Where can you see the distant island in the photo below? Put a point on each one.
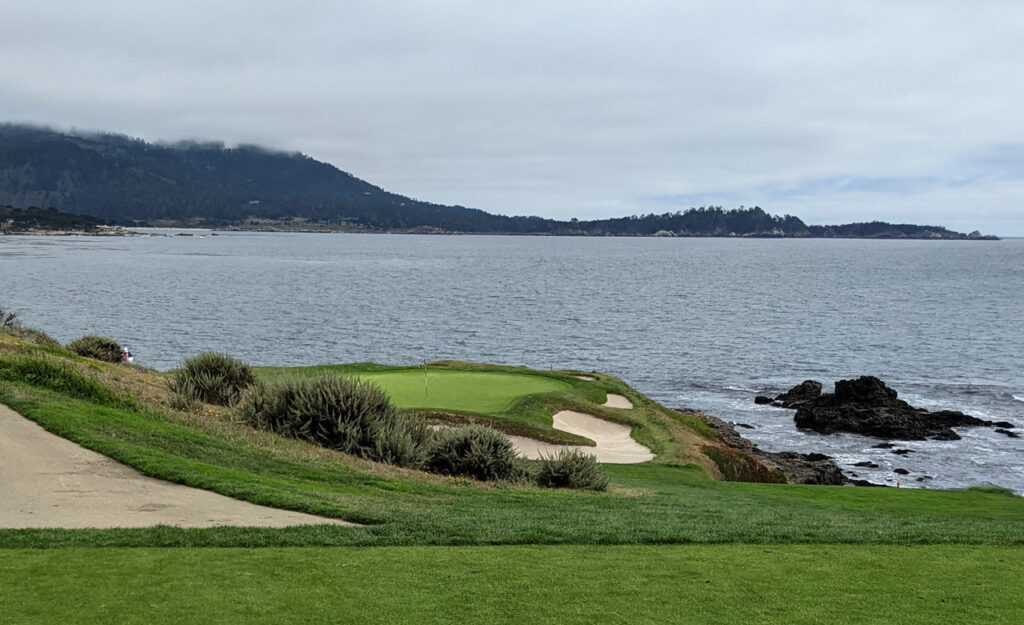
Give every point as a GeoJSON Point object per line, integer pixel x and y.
{"type": "Point", "coordinates": [114, 179]}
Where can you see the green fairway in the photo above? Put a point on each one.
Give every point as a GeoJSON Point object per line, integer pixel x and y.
{"type": "Point", "coordinates": [679, 584]}
{"type": "Point", "coordinates": [468, 391]}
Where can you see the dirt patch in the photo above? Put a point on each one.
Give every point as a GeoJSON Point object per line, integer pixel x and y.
{"type": "Point", "coordinates": [49, 482]}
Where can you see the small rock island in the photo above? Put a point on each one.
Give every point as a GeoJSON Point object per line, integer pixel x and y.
{"type": "Point", "coordinates": [867, 406]}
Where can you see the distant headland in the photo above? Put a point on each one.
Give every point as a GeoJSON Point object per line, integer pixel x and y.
{"type": "Point", "coordinates": [112, 179]}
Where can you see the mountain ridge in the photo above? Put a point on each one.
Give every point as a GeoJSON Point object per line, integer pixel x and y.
{"type": "Point", "coordinates": [135, 183]}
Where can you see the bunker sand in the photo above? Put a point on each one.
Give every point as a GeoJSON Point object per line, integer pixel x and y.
{"type": "Point", "coordinates": [618, 401]}
{"type": "Point", "coordinates": [49, 482]}
{"type": "Point", "coordinates": [614, 444]}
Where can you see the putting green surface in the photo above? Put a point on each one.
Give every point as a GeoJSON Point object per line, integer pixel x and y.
{"type": "Point", "coordinates": [470, 391]}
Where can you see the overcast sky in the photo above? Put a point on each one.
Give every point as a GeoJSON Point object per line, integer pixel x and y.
{"type": "Point", "coordinates": [831, 111]}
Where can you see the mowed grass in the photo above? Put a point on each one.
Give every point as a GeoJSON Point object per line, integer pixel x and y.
{"type": "Point", "coordinates": [467, 391]}
{"type": "Point", "coordinates": [514, 399]}
{"type": "Point", "coordinates": [435, 388]}
{"type": "Point", "coordinates": [682, 584]}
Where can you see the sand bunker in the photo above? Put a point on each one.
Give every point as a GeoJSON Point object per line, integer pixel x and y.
{"type": "Point", "coordinates": [618, 401]}
{"type": "Point", "coordinates": [614, 444]}
{"type": "Point", "coordinates": [48, 481]}
{"type": "Point", "coordinates": [588, 378]}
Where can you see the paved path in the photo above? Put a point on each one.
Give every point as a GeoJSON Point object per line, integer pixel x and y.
{"type": "Point", "coordinates": [49, 482]}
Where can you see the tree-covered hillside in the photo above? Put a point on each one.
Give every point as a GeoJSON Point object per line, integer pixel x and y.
{"type": "Point", "coordinates": [132, 182]}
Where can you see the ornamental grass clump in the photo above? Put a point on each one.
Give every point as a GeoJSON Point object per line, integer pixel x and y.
{"type": "Point", "coordinates": [339, 412]}
{"type": "Point", "coordinates": [571, 468]}
{"type": "Point", "coordinates": [213, 378]}
{"type": "Point", "coordinates": [46, 372]}
{"type": "Point", "coordinates": [8, 320]}
{"type": "Point", "coordinates": [473, 451]}
{"type": "Point", "coordinates": [98, 347]}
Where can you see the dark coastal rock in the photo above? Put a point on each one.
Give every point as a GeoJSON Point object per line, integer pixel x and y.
{"type": "Point", "coordinates": [885, 445]}
{"type": "Point", "coordinates": [866, 463]}
{"type": "Point", "coordinates": [867, 483]}
{"type": "Point", "coordinates": [1008, 433]}
{"type": "Point", "coordinates": [867, 406]}
{"type": "Point", "coordinates": [901, 471]}
{"type": "Point", "coordinates": [806, 391]}
{"type": "Point", "coordinates": [743, 425]}
{"type": "Point", "coordinates": [902, 452]}
{"type": "Point", "coordinates": [1003, 424]}
{"type": "Point", "coordinates": [924, 478]}
{"type": "Point", "coordinates": [763, 399]}
{"type": "Point", "coordinates": [797, 468]}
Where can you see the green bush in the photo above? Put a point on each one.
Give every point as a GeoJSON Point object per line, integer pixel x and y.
{"type": "Point", "coordinates": [339, 412]}
{"type": "Point", "coordinates": [571, 468]}
{"type": "Point", "coordinates": [474, 451]}
{"type": "Point", "coordinates": [56, 376]}
{"type": "Point", "coordinates": [212, 377]}
{"type": "Point", "coordinates": [98, 347]}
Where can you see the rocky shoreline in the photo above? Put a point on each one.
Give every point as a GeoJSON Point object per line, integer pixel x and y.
{"type": "Point", "coordinates": [865, 406]}
{"type": "Point", "coordinates": [797, 468]}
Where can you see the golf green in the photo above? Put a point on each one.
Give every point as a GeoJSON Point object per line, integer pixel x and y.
{"type": "Point", "coordinates": [472, 391]}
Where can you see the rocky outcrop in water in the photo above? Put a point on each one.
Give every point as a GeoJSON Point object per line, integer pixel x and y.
{"type": "Point", "coordinates": [869, 407]}
{"type": "Point", "coordinates": [797, 468]}
{"type": "Point", "coordinates": [806, 391]}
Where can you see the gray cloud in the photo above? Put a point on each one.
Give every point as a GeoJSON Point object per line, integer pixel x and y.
{"type": "Point", "coordinates": [832, 111]}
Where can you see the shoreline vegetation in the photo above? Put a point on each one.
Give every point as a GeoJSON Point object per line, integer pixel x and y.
{"type": "Point", "coordinates": [664, 541]}
{"type": "Point", "coordinates": [365, 416]}
{"type": "Point", "coordinates": [127, 181]}
{"type": "Point", "coordinates": [50, 222]}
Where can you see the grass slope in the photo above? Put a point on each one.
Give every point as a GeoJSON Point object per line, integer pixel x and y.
{"type": "Point", "coordinates": [648, 503]}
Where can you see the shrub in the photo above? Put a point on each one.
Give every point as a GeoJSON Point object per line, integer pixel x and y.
{"type": "Point", "coordinates": [8, 320]}
{"type": "Point", "coordinates": [474, 451]}
{"type": "Point", "coordinates": [571, 468]}
{"type": "Point", "coordinates": [339, 412]}
{"type": "Point", "coordinates": [98, 347]}
{"type": "Point", "coordinates": [212, 377]}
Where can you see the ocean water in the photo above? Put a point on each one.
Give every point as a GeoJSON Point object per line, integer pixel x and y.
{"type": "Point", "coordinates": [701, 323]}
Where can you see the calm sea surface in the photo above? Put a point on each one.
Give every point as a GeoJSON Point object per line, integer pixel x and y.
{"type": "Point", "coordinates": [703, 323]}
